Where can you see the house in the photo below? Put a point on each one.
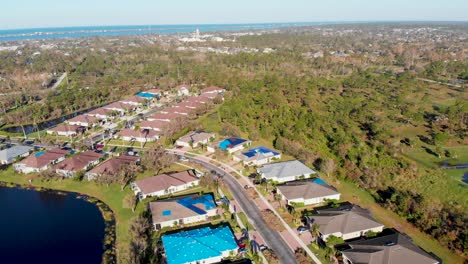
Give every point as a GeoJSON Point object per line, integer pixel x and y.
{"type": "Point", "coordinates": [136, 100]}
{"type": "Point", "coordinates": [212, 90]}
{"type": "Point", "coordinates": [64, 130]}
{"type": "Point", "coordinates": [120, 107]}
{"type": "Point", "coordinates": [40, 161]}
{"type": "Point", "coordinates": [155, 125]}
{"type": "Point", "coordinates": [9, 155]}
{"type": "Point", "coordinates": [257, 156]}
{"type": "Point", "coordinates": [168, 117]}
{"type": "Point", "coordinates": [202, 245]}
{"type": "Point", "coordinates": [231, 144]}
{"type": "Point", "coordinates": [80, 162]}
{"type": "Point", "coordinates": [182, 210]}
{"type": "Point", "coordinates": [348, 221]}
{"type": "Point", "coordinates": [102, 113]}
{"type": "Point", "coordinates": [165, 183]}
{"type": "Point", "coordinates": [193, 139]}
{"type": "Point", "coordinates": [391, 248]}
{"type": "Point", "coordinates": [307, 193]}
{"type": "Point", "coordinates": [183, 90]}
{"type": "Point", "coordinates": [142, 135]}
{"type": "Point", "coordinates": [198, 99]}
{"type": "Point", "coordinates": [84, 120]}
{"type": "Point", "coordinates": [111, 166]}
{"type": "Point", "coordinates": [285, 171]}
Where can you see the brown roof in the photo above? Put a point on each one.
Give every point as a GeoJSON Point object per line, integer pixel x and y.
{"type": "Point", "coordinates": [78, 162]}
{"type": "Point", "coordinates": [118, 105]}
{"type": "Point", "coordinates": [164, 181]}
{"type": "Point", "coordinates": [126, 132]}
{"type": "Point", "coordinates": [162, 117]}
{"type": "Point", "coordinates": [198, 99]}
{"type": "Point", "coordinates": [173, 209]}
{"type": "Point", "coordinates": [212, 89]}
{"type": "Point", "coordinates": [392, 248]}
{"type": "Point", "coordinates": [84, 119]}
{"type": "Point", "coordinates": [345, 219]}
{"type": "Point", "coordinates": [47, 157]}
{"type": "Point", "coordinates": [133, 98]}
{"type": "Point", "coordinates": [64, 128]}
{"type": "Point", "coordinates": [307, 190]}
{"type": "Point", "coordinates": [196, 137]}
{"type": "Point", "coordinates": [112, 165]}
{"type": "Point", "coordinates": [208, 95]}
{"type": "Point", "coordinates": [99, 111]}
{"type": "Point", "coordinates": [156, 124]}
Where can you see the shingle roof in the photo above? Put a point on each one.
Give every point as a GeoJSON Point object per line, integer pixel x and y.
{"type": "Point", "coordinates": [65, 128]}
{"type": "Point", "coordinates": [164, 181]}
{"type": "Point", "coordinates": [39, 161]}
{"type": "Point", "coordinates": [126, 132]}
{"type": "Point", "coordinates": [285, 169]}
{"type": "Point", "coordinates": [198, 244]}
{"type": "Point", "coordinates": [307, 190]}
{"type": "Point", "coordinates": [112, 165]}
{"type": "Point", "coordinates": [78, 162]}
{"type": "Point", "coordinates": [182, 207]}
{"type": "Point", "coordinates": [13, 152]}
{"type": "Point", "coordinates": [196, 137]}
{"type": "Point", "coordinates": [393, 248]}
{"type": "Point", "coordinates": [345, 220]}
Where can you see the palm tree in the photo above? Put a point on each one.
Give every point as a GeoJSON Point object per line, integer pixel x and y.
{"type": "Point", "coordinates": [314, 231]}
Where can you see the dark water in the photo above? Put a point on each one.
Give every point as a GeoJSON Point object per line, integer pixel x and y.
{"type": "Point", "coordinates": [45, 227]}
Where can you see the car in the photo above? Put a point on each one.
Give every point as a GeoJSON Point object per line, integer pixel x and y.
{"type": "Point", "coordinates": [29, 142]}
{"type": "Point", "coordinates": [302, 229]}
{"type": "Point", "coordinates": [179, 147]}
{"type": "Point", "coordinates": [262, 247]}
{"type": "Point", "coordinates": [182, 158]}
{"type": "Point", "coordinates": [242, 250]}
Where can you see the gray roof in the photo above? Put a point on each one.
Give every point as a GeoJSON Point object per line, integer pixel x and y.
{"type": "Point", "coordinates": [345, 220]}
{"type": "Point", "coordinates": [307, 190]}
{"type": "Point", "coordinates": [13, 152]}
{"type": "Point", "coordinates": [393, 248]}
{"type": "Point", "coordinates": [285, 169]}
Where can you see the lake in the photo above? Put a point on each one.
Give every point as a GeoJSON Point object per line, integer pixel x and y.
{"type": "Point", "coordinates": [47, 227]}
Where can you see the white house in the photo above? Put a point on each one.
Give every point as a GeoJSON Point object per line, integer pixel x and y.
{"type": "Point", "coordinates": [182, 210]}
{"type": "Point", "coordinates": [257, 156]}
{"type": "Point", "coordinates": [193, 139]}
{"type": "Point", "coordinates": [285, 171]}
{"type": "Point", "coordinates": [230, 145]}
{"type": "Point", "coordinates": [40, 161]}
{"type": "Point", "coordinates": [80, 162]}
{"type": "Point", "coordinates": [183, 90]}
{"type": "Point", "coordinates": [164, 184]}
{"type": "Point", "coordinates": [307, 193]}
{"type": "Point", "coordinates": [64, 130]}
{"type": "Point", "coordinates": [144, 135]}
{"type": "Point", "coordinates": [84, 120]}
{"type": "Point", "coordinates": [9, 155]}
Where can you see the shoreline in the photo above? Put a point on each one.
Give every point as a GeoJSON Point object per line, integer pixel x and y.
{"type": "Point", "coordinates": [108, 216]}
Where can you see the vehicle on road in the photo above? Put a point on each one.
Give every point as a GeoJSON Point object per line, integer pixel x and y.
{"type": "Point", "coordinates": [262, 247]}
{"type": "Point", "coordinates": [302, 229]}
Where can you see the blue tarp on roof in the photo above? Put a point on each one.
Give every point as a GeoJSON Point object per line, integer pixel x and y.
{"type": "Point", "coordinates": [198, 244]}
{"type": "Point", "coordinates": [166, 213]}
{"type": "Point", "coordinates": [231, 142]}
{"type": "Point", "coordinates": [262, 150]}
{"type": "Point", "coordinates": [319, 181]}
{"type": "Point", "coordinates": [190, 202]}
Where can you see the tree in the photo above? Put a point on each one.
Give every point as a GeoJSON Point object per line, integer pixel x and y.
{"type": "Point", "coordinates": [126, 174]}
{"type": "Point", "coordinates": [157, 159]}
{"type": "Point", "coordinates": [129, 201]}
{"type": "Point", "coordinates": [328, 166]}
{"type": "Point", "coordinates": [314, 231]}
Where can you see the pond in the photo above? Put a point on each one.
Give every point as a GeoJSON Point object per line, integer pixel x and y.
{"type": "Point", "coordinates": [48, 227]}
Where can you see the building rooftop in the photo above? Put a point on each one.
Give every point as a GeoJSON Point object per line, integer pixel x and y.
{"type": "Point", "coordinates": [285, 169]}
{"type": "Point", "coordinates": [40, 159]}
{"type": "Point", "coordinates": [113, 165]}
{"type": "Point", "coordinates": [65, 128]}
{"type": "Point", "coordinates": [306, 190]}
{"type": "Point", "coordinates": [198, 244]}
{"type": "Point", "coordinates": [144, 133]}
{"type": "Point", "coordinates": [212, 89]}
{"type": "Point", "coordinates": [164, 181]}
{"type": "Point", "coordinates": [183, 207]}
{"type": "Point", "coordinates": [79, 161]}
{"type": "Point", "coordinates": [231, 142]}
{"type": "Point", "coordinates": [393, 248]}
{"type": "Point", "coordinates": [196, 136]}
{"type": "Point", "coordinates": [13, 152]}
{"type": "Point", "coordinates": [345, 219]}
{"type": "Point", "coordinates": [84, 119]}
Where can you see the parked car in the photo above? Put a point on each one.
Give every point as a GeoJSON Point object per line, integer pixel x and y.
{"type": "Point", "coordinates": [302, 229]}
{"type": "Point", "coordinates": [182, 158]}
{"type": "Point", "coordinates": [262, 247]}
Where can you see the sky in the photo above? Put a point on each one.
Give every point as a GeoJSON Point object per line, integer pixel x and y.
{"type": "Point", "coordinates": [62, 13]}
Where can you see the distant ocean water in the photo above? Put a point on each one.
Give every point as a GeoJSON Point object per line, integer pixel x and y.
{"type": "Point", "coordinates": [77, 32]}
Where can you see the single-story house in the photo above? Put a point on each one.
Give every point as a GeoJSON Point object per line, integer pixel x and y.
{"type": "Point", "coordinates": [84, 120]}
{"type": "Point", "coordinates": [136, 100]}
{"type": "Point", "coordinates": [80, 162]}
{"type": "Point", "coordinates": [165, 183]}
{"type": "Point", "coordinates": [391, 248]}
{"type": "Point", "coordinates": [155, 125]}
{"type": "Point", "coordinates": [198, 99]}
{"type": "Point", "coordinates": [64, 130]}
{"type": "Point", "coordinates": [142, 135]}
{"type": "Point", "coordinates": [9, 155]}
{"type": "Point", "coordinates": [257, 156]}
{"type": "Point", "coordinates": [202, 245]}
{"type": "Point", "coordinates": [307, 193]}
{"type": "Point", "coordinates": [111, 166]}
{"type": "Point", "coordinates": [183, 90]}
{"type": "Point", "coordinates": [285, 171]}
{"type": "Point", "coordinates": [348, 221]}
{"type": "Point", "coordinates": [120, 107]}
{"type": "Point", "coordinates": [163, 117]}
{"type": "Point", "coordinates": [102, 113]}
{"type": "Point", "coordinates": [231, 144]}
{"type": "Point", "coordinates": [40, 161]}
{"type": "Point", "coordinates": [212, 90]}
{"type": "Point", "coordinates": [182, 210]}
{"type": "Point", "coordinates": [193, 139]}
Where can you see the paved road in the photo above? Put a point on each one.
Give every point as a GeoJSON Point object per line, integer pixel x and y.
{"type": "Point", "coordinates": [272, 237]}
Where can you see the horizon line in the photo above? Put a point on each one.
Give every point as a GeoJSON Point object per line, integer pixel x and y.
{"type": "Point", "coordinates": [246, 23]}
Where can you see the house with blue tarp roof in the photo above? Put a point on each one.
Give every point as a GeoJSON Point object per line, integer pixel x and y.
{"type": "Point", "coordinates": [257, 156]}
{"type": "Point", "coordinates": [230, 145]}
{"type": "Point", "coordinates": [182, 210]}
{"type": "Point", "coordinates": [203, 245]}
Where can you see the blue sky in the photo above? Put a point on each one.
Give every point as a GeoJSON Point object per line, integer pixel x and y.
{"type": "Point", "coordinates": [60, 13]}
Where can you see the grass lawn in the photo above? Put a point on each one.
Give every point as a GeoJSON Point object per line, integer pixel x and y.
{"type": "Point", "coordinates": [350, 192]}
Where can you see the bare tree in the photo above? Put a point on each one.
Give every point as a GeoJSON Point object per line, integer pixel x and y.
{"type": "Point", "coordinates": [129, 202]}
{"type": "Point", "coordinates": [157, 159]}
{"type": "Point", "coordinates": [328, 166]}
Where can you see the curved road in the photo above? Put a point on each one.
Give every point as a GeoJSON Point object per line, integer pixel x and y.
{"type": "Point", "coordinates": [271, 237]}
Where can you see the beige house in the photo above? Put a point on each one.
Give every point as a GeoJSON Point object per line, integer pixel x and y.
{"type": "Point", "coordinates": [307, 193]}
{"type": "Point", "coordinates": [194, 139]}
{"type": "Point", "coordinates": [165, 184]}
